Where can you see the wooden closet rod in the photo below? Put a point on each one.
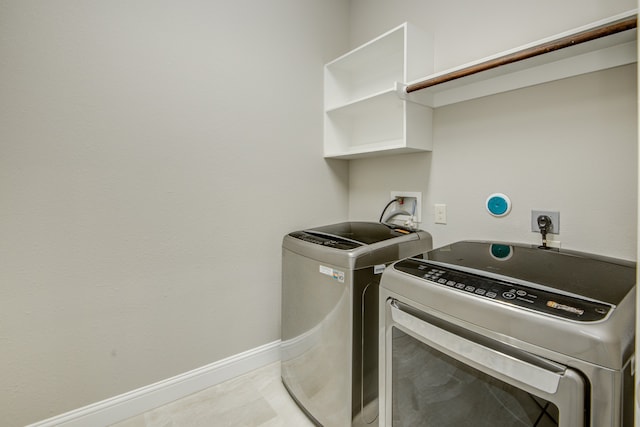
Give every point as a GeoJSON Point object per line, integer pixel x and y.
{"type": "Point", "coordinates": [568, 41]}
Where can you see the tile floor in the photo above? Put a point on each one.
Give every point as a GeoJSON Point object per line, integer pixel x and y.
{"type": "Point", "coordinates": [251, 400]}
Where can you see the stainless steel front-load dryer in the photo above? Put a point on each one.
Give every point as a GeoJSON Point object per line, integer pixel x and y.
{"type": "Point", "coordinates": [330, 278]}
{"type": "Point", "coordinates": [490, 334]}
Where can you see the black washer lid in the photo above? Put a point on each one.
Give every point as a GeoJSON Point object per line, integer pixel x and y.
{"type": "Point", "coordinates": [363, 232]}
{"type": "Point", "coordinates": [591, 276]}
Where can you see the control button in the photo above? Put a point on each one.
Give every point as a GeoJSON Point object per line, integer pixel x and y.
{"type": "Point", "coordinates": [460, 285]}
{"type": "Point", "coordinates": [508, 295]}
{"type": "Point", "coordinates": [470, 288]}
{"type": "Point", "coordinates": [480, 291]}
{"type": "Point", "coordinates": [442, 280]}
{"type": "Point", "coordinates": [491, 295]}
{"type": "Point", "coordinates": [521, 293]}
{"type": "Point", "coordinates": [451, 283]}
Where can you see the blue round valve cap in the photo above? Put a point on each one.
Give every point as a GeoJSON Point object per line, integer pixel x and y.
{"type": "Point", "coordinates": [498, 204]}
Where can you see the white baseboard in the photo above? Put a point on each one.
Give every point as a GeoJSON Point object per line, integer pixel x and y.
{"type": "Point", "coordinates": [121, 407]}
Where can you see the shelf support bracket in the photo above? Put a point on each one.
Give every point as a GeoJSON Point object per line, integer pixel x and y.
{"type": "Point", "coordinates": [401, 91]}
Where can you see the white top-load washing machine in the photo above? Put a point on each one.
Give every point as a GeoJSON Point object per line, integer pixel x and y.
{"type": "Point", "coordinates": [490, 334]}
{"type": "Point", "coordinates": [330, 278]}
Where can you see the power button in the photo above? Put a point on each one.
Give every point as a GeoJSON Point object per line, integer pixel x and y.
{"type": "Point", "coordinates": [508, 295]}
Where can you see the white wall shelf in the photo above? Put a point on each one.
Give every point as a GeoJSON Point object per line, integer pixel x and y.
{"type": "Point", "coordinates": [597, 54]}
{"type": "Point", "coordinates": [364, 113]}
{"type": "Point", "coordinates": [375, 104]}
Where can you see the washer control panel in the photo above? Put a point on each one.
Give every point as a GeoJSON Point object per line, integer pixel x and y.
{"type": "Point", "coordinates": [550, 303]}
{"type": "Point", "coordinates": [328, 241]}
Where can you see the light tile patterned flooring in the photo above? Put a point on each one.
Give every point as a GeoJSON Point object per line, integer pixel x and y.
{"type": "Point", "coordinates": [251, 400]}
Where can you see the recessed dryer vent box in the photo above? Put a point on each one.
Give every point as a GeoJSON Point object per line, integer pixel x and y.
{"type": "Point", "coordinates": [411, 202]}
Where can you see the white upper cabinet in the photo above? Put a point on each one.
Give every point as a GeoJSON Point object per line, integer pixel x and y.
{"type": "Point", "coordinates": [364, 112]}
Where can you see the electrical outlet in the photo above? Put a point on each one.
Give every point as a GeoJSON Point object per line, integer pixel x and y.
{"type": "Point", "coordinates": [555, 221]}
{"type": "Point", "coordinates": [411, 203]}
{"type": "Point", "coordinates": [440, 212]}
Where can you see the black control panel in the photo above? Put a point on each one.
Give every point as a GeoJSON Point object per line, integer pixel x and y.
{"type": "Point", "coordinates": [328, 241]}
{"type": "Point", "coordinates": [505, 292]}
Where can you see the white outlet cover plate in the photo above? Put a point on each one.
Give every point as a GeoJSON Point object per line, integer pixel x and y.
{"type": "Point", "coordinates": [440, 213]}
{"type": "Point", "coordinates": [555, 220]}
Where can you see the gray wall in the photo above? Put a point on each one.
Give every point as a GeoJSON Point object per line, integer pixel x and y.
{"type": "Point", "coordinates": [153, 153]}
{"type": "Point", "coordinates": [569, 145]}
{"type": "Point", "coordinates": [152, 156]}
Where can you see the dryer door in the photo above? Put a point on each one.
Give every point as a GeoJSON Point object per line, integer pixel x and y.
{"type": "Point", "coordinates": [439, 374]}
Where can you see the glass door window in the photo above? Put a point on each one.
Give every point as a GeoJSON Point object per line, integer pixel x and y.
{"type": "Point", "coordinates": [434, 390]}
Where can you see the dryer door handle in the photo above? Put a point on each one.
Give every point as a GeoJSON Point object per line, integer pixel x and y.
{"type": "Point", "coordinates": [530, 371]}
